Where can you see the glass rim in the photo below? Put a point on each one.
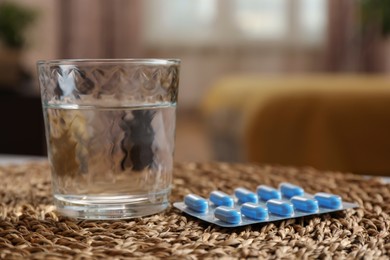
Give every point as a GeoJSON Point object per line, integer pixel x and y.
{"type": "Point", "coordinates": [140, 61]}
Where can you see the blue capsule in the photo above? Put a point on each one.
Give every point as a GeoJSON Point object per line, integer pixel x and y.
{"type": "Point", "coordinates": [304, 204]}
{"type": "Point", "coordinates": [290, 190]}
{"type": "Point", "coordinates": [228, 215]}
{"type": "Point", "coordinates": [266, 193]}
{"type": "Point", "coordinates": [196, 203]}
{"type": "Point", "coordinates": [328, 200]}
{"type": "Point", "coordinates": [254, 211]}
{"type": "Point", "coordinates": [280, 207]}
{"type": "Point", "coordinates": [220, 198]}
{"type": "Point", "coordinates": [244, 195]}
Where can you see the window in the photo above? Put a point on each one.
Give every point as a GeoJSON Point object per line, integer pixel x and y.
{"type": "Point", "coordinates": [312, 20]}
{"type": "Point", "coordinates": [263, 20]}
{"type": "Point", "coordinates": [178, 21]}
{"type": "Point", "coordinates": [232, 22]}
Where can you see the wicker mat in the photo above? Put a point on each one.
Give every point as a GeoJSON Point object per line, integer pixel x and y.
{"type": "Point", "coordinates": [30, 228]}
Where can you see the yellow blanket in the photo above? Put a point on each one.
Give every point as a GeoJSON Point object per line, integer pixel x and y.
{"type": "Point", "coordinates": [331, 122]}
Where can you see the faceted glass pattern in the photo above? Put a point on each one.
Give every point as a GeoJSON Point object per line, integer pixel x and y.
{"type": "Point", "coordinates": [118, 82]}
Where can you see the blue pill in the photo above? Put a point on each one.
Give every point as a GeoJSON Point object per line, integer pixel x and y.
{"type": "Point", "coordinates": [304, 204]}
{"type": "Point", "coordinates": [227, 214]}
{"type": "Point", "coordinates": [290, 190]}
{"type": "Point", "coordinates": [244, 195]}
{"type": "Point", "coordinates": [220, 198]}
{"type": "Point", "coordinates": [328, 200]}
{"type": "Point", "coordinates": [266, 193]}
{"type": "Point", "coordinates": [280, 207]}
{"type": "Point", "coordinates": [254, 211]}
{"type": "Point", "coordinates": [196, 203]}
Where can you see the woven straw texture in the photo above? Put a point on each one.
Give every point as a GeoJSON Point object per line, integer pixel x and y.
{"type": "Point", "coordinates": [30, 228]}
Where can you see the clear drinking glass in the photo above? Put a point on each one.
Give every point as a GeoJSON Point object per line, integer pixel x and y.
{"type": "Point", "coordinates": [110, 127]}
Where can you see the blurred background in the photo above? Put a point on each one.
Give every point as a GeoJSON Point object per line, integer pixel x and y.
{"type": "Point", "coordinates": [292, 82]}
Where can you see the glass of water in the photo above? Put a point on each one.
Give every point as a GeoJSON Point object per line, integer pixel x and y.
{"type": "Point", "coordinates": [110, 127]}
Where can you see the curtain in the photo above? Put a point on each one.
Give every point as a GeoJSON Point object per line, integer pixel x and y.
{"type": "Point", "coordinates": [349, 47]}
{"type": "Point", "coordinates": [100, 29]}
{"type": "Point", "coordinates": [343, 41]}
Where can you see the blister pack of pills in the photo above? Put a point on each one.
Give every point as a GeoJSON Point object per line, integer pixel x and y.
{"type": "Point", "coordinates": [267, 204]}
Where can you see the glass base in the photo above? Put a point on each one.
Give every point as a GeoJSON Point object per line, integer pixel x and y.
{"type": "Point", "coordinates": [110, 207]}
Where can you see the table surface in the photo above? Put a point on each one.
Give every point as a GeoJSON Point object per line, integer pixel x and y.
{"type": "Point", "coordinates": [9, 159]}
{"type": "Point", "coordinates": [30, 227]}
